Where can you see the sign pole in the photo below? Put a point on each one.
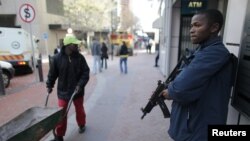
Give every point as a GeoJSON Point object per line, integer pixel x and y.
{"type": "Point", "coordinates": [27, 14]}
{"type": "Point", "coordinates": [45, 37]}
{"type": "Point", "coordinates": [33, 53]}
{"type": "Point", "coordinates": [46, 45]}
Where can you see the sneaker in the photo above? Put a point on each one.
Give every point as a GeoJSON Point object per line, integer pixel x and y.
{"type": "Point", "coordinates": [82, 129]}
{"type": "Point", "coordinates": [57, 138]}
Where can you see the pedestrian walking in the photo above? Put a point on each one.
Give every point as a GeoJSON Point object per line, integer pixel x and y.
{"type": "Point", "coordinates": [96, 53]}
{"type": "Point", "coordinates": [71, 70]}
{"type": "Point", "coordinates": [157, 48]}
{"type": "Point", "coordinates": [123, 58]}
{"type": "Point", "coordinates": [104, 55]}
{"type": "Point", "coordinates": [149, 48]}
{"type": "Point", "coordinates": [58, 48]}
{"type": "Point", "coordinates": [201, 91]}
{"type": "Point", "coordinates": [112, 51]}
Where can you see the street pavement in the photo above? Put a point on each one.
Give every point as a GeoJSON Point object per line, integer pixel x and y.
{"type": "Point", "coordinates": [113, 102]}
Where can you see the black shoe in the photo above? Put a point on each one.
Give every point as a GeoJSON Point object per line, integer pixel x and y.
{"type": "Point", "coordinates": [57, 138]}
{"type": "Point", "coordinates": [156, 66]}
{"type": "Point", "coordinates": [82, 129]}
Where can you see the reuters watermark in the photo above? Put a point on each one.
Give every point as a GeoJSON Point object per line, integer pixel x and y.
{"type": "Point", "coordinates": [239, 132]}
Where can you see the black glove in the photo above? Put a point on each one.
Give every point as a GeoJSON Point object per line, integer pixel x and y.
{"type": "Point", "coordinates": [49, 90]}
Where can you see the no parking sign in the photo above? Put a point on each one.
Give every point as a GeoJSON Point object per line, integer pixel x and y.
{"type": "Point", "coordinates": [27, 13]}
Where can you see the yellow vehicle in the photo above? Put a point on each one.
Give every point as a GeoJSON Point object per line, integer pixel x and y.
{"type": "Point", "coordinates": [117, 38]}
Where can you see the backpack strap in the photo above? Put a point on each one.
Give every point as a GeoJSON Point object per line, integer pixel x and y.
{"type": "Point", "coordinates": [234, 60]}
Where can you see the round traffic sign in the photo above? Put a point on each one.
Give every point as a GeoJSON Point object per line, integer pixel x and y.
{"type": "Point", "coordinates": [27, 13]}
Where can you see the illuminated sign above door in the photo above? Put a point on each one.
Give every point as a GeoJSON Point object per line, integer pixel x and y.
{"type": "Point", "coordinates": [189, 7]}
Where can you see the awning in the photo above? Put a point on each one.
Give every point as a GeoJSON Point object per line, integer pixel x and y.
{"type": "Point", "coordinates": [158, 23]}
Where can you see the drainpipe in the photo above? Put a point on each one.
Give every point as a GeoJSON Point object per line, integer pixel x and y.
{"type": "Point", "coordinates": [162, 59]}
{"type": "Point", "coordinates": [168, 20]}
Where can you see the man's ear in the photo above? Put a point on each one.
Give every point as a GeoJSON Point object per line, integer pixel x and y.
{"type": "Point", "coordinates": [214, 28]}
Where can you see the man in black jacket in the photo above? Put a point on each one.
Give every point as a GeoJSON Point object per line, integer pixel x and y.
{"type": "Point", "coordinates": [58, 48]}
{"type": "Point", "coordinates": [72, 71]}
{"type": "Point", "coordinates": [124, 58]}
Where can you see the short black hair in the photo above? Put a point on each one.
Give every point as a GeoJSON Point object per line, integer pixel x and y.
{"type": "Point", "coordinates": [213, 16]}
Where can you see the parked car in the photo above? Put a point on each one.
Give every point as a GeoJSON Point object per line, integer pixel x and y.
{"type": "Point", "coordinates": [8, 72]}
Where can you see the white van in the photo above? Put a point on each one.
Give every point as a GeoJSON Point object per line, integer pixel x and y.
{"type": "Point", "coordinates": [17, 49]}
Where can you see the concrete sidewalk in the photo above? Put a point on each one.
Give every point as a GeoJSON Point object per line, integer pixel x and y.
{"type": "Point", "coordinates": [113, 107]}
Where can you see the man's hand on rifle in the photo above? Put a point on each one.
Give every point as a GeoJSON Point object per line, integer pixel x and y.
{"type": "Point", "coordinates": [165, 94]}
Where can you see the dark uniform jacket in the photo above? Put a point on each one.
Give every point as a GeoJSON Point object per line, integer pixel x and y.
{"type": "Point", "coordinates": [124, 50]}
{"type": "Point", "coordinates": [71, 71]}
{"type": "Point", "coordinates": [104, 50]}
{"type": "Point", "coordinates": [201, 93]}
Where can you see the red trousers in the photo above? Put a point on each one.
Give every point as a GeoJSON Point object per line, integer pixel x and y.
{"type": "Point", "coordinates": [80, 115]}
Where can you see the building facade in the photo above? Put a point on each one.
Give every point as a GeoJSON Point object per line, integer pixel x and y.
{"type": "Point", "coordinates": [174, 38]}
{"type": "Point", "coordinates": [48, 24]}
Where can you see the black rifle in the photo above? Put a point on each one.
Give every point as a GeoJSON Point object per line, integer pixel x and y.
{"type": "Point", "coordinates": [157, 97]}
